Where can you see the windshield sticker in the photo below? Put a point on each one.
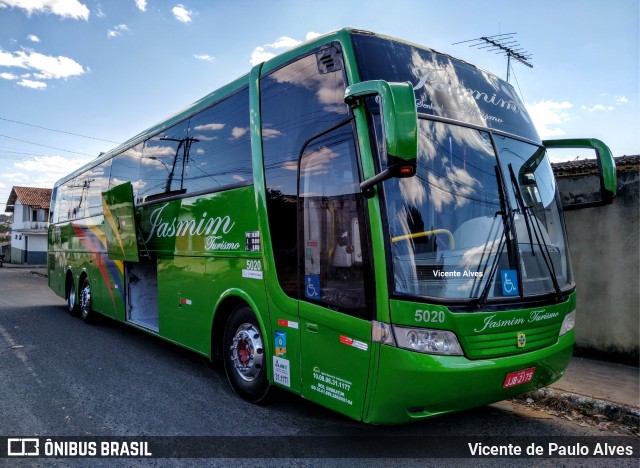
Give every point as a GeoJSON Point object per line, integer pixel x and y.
{"type": "Point", "coordinates": [437, 80]}
{"type": "Point", "coordinates": [509, 282]}
{"type": "Point", "coordinates": [281, 371]}
{"type": "Point", "coordinates": [445, 86]}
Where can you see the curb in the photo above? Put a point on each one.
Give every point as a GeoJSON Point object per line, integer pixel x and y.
{"type": "Point", "coordinates": [585, 405]}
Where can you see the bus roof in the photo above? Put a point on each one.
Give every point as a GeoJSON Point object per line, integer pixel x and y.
{"type": "Point", "coordinates": [341, 35]}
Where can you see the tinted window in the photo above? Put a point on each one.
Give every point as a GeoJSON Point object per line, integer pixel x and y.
{"type": "Point", "coordinates": [164, 163]}
{"type": "Point", "coordinates": [220, 153]}
{"type": "Point", "coordinates": [334, 251]}
{"type": "Point", "coordinates": [97, 182]}
{"type": "Point", "coordinates": [125, 167]}
{"type": "Point", "coordinates": [65, 201]}
{"type": "Point", "coordinates": [298, 101]}
{"type": "Point", "coordinates": [444, 86]}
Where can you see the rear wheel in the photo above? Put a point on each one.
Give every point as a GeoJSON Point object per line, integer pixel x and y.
{"type": "Point", "coordinates": [85, 301]}
{"type": "Point", "coordinates": [244, 355]}
{"type": "Point", "coordinates": [72, 303]}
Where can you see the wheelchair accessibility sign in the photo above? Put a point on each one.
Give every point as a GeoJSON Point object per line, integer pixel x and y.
{"type": "Point", "coordinates": [509, 282]}
{"type": "Point", "coordinates": [312, 286]}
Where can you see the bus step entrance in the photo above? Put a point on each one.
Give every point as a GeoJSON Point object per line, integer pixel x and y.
{"type": "Point", "coordinates": [142, 287]}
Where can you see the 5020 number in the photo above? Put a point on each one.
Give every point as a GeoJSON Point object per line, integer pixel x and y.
{"type": "Point", "coordinates": [429, 316]}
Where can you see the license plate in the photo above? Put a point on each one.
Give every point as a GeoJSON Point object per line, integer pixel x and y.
{"type": "Point", "coordinates": [518, 377]}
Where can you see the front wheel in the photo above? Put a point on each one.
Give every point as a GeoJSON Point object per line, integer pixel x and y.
{"type": "Point", "coordinates": [244, 355]}
{"type": "Point", "coordinates": [86, 313]}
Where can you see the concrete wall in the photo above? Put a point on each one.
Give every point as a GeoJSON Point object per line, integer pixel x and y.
{"type": "Point", "coordinates": [603, 243]}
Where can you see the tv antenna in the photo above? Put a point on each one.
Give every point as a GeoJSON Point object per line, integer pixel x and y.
{"type": "Point", "coordinates": [505, 44]}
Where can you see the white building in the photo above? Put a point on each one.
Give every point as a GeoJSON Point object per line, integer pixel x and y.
{"type": "Point", "coordinates": [30, 208]}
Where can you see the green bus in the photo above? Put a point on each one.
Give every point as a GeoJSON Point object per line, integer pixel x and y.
{"type": "Point", "coordinates": [361, 221]}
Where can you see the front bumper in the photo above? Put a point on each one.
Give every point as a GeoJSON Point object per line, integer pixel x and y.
{"type": "Point", "coordinates": [412, 386]}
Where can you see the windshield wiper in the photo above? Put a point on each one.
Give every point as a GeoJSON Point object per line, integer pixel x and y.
{"type": "Point", "coordinates": [508, 225]}
{"type": "Point", "coordinates": [531, 220]}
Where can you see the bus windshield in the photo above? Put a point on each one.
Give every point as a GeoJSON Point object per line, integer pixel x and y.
{"type": "Point", "coordinates": [472, 223]}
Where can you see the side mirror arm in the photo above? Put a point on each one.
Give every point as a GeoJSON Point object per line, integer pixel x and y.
{"type": "Point", "coordinates": [400, 124]}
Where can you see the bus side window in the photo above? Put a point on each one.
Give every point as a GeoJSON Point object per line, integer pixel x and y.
{"type": "Point", "coordinates": [65, 203]}
{"type": "Point", "coordinates": [220, 153]}
{"type": "Point", "coordinates": [298, 101]}
{"type": "Point", "coordinates": [53, 209]}
{"type": "Point", "coordinates": [164, 163]}
{"type": "Point", "coordinates": [97, 183]}
{"type": "Point", "coordinates": [125, 167]}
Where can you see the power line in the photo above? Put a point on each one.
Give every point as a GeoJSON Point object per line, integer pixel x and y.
{"type": "Point", "coordinates": [59, 131]}
{"type": "Point", "coordinates": [46, 146]}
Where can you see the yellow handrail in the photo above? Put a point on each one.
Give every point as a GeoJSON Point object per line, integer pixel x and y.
{"type": "Point", "coordinates": [452, 244]}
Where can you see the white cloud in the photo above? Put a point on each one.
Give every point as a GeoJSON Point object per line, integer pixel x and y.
{"type": "Point", "coordinates": [238, 132]}
{"type": "Point", "coordinates": [209, 127]}
{"type": "Point", "coordinates": [33, 38]}
{"type": "Point", "coordinates": [548, 116]}
{"type": "Point", "coordinates": [204, 57]}
{"type": "Point", "coordinates": [142, 5]}
{"type": "Point", "coordinates": [32, 84]}
{"type": "Point", "coordinates": [182, 14]}
{"type": "Point", "coordinates": [117, 30]}
{"type": "Point", "coordinates": [597, 107]}
{"type": "Point", "coordinates": [621, 100]}
{"type": "Point", "coordinates": [283, 42]}
{"type": "Point", "coordinates": [63, 8]}
{"type": "Point", "coordinates": [260, 55]}
{"type": "Point", "coordinates": [55, 164]}
{"type": "Point", "coordinates": [48, 66]}
{"type": "Point", "coordinates": [267, 51]}
{"type": "Point", "coordinates": [8, 76]}
{"type": "Point", "coordinates": [8, 59]}
{"type": "Point", "coordinates": [43, 171]}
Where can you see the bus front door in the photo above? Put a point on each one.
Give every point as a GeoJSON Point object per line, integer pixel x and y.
{"type": "Point", "coordinates": [335, 330]}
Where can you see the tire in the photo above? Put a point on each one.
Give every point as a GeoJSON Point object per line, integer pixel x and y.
{"type": "Point", "coordinates": [84, 302]}
{"type": "Point", "coordinates": [245, 360]}
{"type": "Point", "coordinates": [72, 303]}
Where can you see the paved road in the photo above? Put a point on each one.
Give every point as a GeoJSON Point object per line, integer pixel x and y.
{"type": "Point", "coordinates": [61, 377]}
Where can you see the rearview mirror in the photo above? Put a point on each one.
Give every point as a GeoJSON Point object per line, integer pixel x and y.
{"type": "Point", "coordinates": [607, 179]}
{"type": "Point", "coordinates": [399, 123]}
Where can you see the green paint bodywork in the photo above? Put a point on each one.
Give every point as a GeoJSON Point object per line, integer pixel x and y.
{"type": "Point", "coordinates": [606, 163]}
{"type": "Point", "coordinates": [197, 246]}
{"type": "Point", "coordinates": [399, 115]}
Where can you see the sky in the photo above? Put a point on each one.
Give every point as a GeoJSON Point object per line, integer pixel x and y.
{"type": "Point", "coordinates": [77, 77]}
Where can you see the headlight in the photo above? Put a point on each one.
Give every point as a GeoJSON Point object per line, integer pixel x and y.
{"type": "Point", "coordinates": [568, 323]}
{"type": "Point", "coordinates": [426, 340]}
